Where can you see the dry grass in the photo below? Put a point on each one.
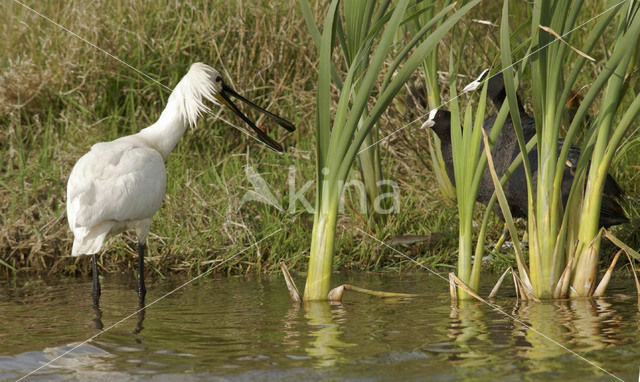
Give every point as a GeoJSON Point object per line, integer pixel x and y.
{"type": "Point", "coordinates": [59, 95]}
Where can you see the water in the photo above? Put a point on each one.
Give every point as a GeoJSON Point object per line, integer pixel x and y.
{"type": "Point", "coordinates": [246, 329]}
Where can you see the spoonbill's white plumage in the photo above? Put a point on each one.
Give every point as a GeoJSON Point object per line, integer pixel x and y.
{"type": "Point", "coordinates": [119, 185]}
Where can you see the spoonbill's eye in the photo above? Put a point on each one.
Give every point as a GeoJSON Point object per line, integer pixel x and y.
{"type": "Point", "coordinates": [218, 79]}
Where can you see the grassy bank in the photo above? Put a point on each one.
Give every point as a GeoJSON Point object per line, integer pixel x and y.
{"type": "Point", "coordinates": [59, 95]}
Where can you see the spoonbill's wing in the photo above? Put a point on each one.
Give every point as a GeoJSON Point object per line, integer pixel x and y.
{"type": "Point", "coordinates": [115, 181]}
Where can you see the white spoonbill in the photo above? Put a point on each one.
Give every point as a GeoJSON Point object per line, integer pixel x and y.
{"type": "Point", "coordinates": [119, 185]}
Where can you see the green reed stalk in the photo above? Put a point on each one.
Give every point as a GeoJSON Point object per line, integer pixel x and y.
{"type": "Point", "coordinates": [339, 140]}
{"type": "Point", "coordinates": [552, 229]}
{"type": "Point", "coordinates": [608, 137]}
{"type": "Point", "coordinates": [466, 141]}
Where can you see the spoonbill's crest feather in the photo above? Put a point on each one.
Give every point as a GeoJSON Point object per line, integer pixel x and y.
{"type": "Point", "coordinates": [200, 82]}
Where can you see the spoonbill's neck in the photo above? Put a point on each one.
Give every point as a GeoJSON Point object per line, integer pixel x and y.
{"type": "Point", "coordinates": [165, 133]}
{"type": "Point", "coordinates": [184, 107]}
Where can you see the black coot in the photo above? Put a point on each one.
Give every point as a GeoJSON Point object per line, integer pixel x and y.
{"type": "Point", "coordinates": [505, 151]}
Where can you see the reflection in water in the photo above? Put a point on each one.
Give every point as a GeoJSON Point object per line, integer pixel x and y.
{"type": "Point", "coordinates": [576, 325]}
{"type": "Point", "coordinates": [467, 328]}
{"type": "Point", "coordinates": [97, 320]}
{"type": "Point", "coordinates": [291, 332]}
{"type": "Point", "coordinates": [239, 329]}
{"type": "Point", "coordinates": [467, 321]}
{"type": "Point", "coordinates": [139, 326]}
{"type": "Point", "coordinates": [536, 316]}
{"type": "Point", "coordinates": [583, 325]}
{"type": "Point", "coordinates": [593, 325]}
{"type": "Point", "coordinates": [326, 345]}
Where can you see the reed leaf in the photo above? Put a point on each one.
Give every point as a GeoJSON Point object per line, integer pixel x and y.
{"type": "Point", "coordinates": [604, 282]}
{"type": "Point", "coordinates": [506, 213]}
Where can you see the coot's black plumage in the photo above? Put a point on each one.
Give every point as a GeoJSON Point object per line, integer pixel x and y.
{"type": "Point", "coordinates": [505, 151]}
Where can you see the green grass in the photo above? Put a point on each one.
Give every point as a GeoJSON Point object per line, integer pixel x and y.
{"type": "Point", "coordinates": [58, 96]}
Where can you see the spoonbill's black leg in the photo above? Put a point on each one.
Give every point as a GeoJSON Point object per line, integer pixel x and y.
{"type": "Point", "coordinates": [95, 293]}
{"type": "Point", "coordinates": [142, 291]}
